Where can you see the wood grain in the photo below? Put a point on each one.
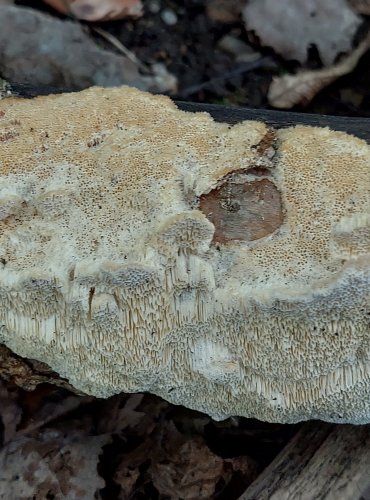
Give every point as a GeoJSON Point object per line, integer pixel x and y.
{"type": "Point", "coordinates": [321, 462]}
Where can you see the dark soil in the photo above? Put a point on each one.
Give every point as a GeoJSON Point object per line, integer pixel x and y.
{"type": "Point", "coordinates": [190, 50]}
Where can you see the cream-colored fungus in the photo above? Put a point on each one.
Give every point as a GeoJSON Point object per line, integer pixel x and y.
{"type": "Point", "coordinates": [225, 268]}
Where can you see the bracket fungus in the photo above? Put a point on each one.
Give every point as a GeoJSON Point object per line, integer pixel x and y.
{"type": "Point", "coordinates": [225, 268]}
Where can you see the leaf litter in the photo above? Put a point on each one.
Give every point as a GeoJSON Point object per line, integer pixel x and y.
{"type": "Point", "coordinates": [288, 90]}
{"type": "Point", "coordinates": [59, 445]}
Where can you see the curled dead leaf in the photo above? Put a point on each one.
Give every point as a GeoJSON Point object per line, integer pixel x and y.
{"type": "Point", "coordinates": [192, 473]}
{"type": "Point", "coordinates": [98, 10]}
{"type": "Point", "coordinates": [126, 478]}
{"type": "Point", "coordinates": [54, 464]}
{"type": "Point", "coordinates": [292, 27]}
{"type": "Point", "coordinates": [184, 467]}
{"type": "Point", "coordinates": [288, 90]}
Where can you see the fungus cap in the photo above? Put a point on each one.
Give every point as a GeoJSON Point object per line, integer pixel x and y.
{"type": "Point", "coordinates": [225, 268]}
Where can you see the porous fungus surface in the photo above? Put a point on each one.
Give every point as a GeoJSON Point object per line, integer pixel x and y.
{"type": "Point", "coordinates": [226, 268]}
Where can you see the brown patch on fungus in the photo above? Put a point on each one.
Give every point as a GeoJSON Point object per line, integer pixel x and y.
{"type": "Point", "coordinates": [243, 210]}
{"type": "Point", "coordinates": [8, 135]}
{"type": "Point", "coordinates": [266, 143]}
{"type": "Point", "coordinates": [259, 171]}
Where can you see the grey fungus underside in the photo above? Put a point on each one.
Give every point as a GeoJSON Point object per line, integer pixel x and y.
{"type": "Point", "coordinates": [227, 269]}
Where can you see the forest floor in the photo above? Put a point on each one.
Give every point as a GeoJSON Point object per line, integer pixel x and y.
{"type": "Point", "coordinates": [59, 445]}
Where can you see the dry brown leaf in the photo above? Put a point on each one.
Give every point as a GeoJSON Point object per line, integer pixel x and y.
{"type": "Point", "coordinates": [98, 10]}
{"type": "Point", "coordinates": [131, 467]}
{"type": "Point", "coordinates": [28, 373]}
{"type": "Point", "coordinates": [177, 465]}
{"type": "Point", "coordinates": [53, 410]}
{"type": "Point", "coordinates": [135, 458]}
{"type": "Point", "coordinates": [292, 27]}
{"type": "Point", "coordinates": [120, 412]}
{"type": "Point", "coordinates": [245, 466]}
{"type": "Point", "coordinates": [189, 470]}
{"type": "Point", "coordinates": [361, 6]}
{"type": "Point", "coordinates": [224, 11]}
{"type": "Point", "coordinates": [192, 474]}
{"type": "Point", "coordinates": [55, 465]}
{"type": "Point", "coordinates": [135, 412]}
{"type": "Point", "coordinates": [10, 412]}
{"type": "Point", "coordinates": [288, 90]}
{"type": "Point", "coordinates": [131, 474]}
{"type": "Point", "coordinates": [126, 478]}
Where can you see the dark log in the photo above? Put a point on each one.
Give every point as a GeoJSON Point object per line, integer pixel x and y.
{"type": "Point", "coordinates": [359, 127]}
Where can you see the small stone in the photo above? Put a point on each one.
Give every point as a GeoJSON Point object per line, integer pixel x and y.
{"type": "Point", "coordinates": [154, 6]}
{"type": "Point", "coordinates": [169, 17]}
{"type": "Point", "coordinates": [238, 49]}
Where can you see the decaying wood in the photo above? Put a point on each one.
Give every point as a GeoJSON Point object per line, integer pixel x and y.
{"type": "Point", "coordinates": [28, 373]}
{"type": "Point", "coordinates": [360, 127]}
{"type": "Point", "coordinates": [322, 462]}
